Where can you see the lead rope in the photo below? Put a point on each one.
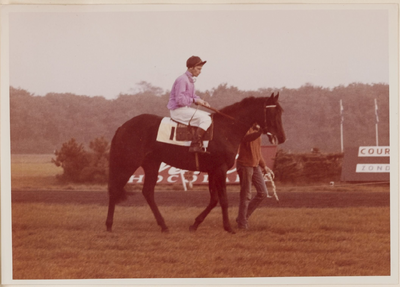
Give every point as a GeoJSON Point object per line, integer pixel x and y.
{"type": "Point", "coordinates": [269, 176]}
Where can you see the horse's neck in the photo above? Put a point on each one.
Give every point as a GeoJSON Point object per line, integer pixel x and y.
{"type": "Point", "coordinates": [244, 119]}
{"type": "Point", "coordinates": [238, 136]}
{"type": "Point", "coordinates": [235, 131]}
{"type": "Point", "coordinates": [245, 115]}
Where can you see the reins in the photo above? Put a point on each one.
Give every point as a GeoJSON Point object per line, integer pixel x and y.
{"type": "Point", "coordinates": [219, 112]}
{"type": "Point", "coordinates": [232, 118]}
{"type": "Point", "coordinates": [216, 111]}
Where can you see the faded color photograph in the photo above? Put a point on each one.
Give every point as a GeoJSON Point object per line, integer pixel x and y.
{"type": "Point", "coordinates": [199, 144]}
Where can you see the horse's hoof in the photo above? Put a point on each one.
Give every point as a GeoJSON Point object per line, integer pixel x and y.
{"type": "Point", "coordinates": [165, 230]}
{"type": "Point", "coordinates": [230, 230]}
{"type": "Point", "coordinates": [192, 228]}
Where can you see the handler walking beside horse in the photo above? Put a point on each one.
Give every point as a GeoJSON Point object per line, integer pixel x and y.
{"type": "Point", "coordinates": [182, 96]}
{"type": "Point", "coordinates": [250, 166]}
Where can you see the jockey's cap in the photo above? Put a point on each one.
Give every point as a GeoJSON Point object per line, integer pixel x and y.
{"type": "Point", "coordinates": [194, 61]}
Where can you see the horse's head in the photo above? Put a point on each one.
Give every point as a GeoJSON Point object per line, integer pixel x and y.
{"type": "Point", "coordinates": [273, 120]}
{"type": "Point", "coordinates": [263, 111]}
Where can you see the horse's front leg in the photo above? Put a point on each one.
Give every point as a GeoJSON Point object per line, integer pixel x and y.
{"type": "Point", "coordinates": [213, 202]}
{"type": "Point", "coordinates": [219, 185]}
{"type": "Point", "coordinates": [223, 201]}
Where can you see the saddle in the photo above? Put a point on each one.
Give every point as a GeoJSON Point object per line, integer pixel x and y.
{"type": "Point", "coordinates": [185, 132]}
{"type": "Point", "coordinates": [173, 132]}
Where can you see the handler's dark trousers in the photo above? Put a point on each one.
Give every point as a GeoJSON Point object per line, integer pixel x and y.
{"type": "Point", "coordinates": [247, 205]}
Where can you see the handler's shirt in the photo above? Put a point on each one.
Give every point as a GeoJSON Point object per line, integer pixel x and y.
{"type": "Point", "coordinates": [250, 152]}
{"type": "Point", "coordinates": [182, 93]}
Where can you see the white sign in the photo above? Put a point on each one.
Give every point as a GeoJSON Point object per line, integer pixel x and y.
{"type": "Point", "coordinates": [373, 167]}
{"type": "Point", "coordinates": [372, 151]}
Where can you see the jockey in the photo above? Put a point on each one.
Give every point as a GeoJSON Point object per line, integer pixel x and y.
{"type": "Point", "coordinates": [182, 96]}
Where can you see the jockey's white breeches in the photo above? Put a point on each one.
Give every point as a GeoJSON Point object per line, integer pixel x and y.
{"type": "Point", "coordinates": [194, 117]}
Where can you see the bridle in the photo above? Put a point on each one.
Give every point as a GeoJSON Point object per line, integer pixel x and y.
{"type": "Point", "coordinates": [265, 118]}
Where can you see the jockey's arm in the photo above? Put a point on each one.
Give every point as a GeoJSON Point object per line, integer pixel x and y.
{"type": "Point", "coordinates": [202, 102]}
{"type": "Point", "coordinates": [182, 96]}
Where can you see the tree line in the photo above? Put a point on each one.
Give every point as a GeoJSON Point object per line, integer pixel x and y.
{"type": "Point", "coordinates": [311, 118]}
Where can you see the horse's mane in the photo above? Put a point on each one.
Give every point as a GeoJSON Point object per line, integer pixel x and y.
{"type": "Point", "coordinates": [232, 109]}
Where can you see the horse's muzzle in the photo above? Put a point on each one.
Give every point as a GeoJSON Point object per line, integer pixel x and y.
{"type": "Point", "coordinates": [272, 138]}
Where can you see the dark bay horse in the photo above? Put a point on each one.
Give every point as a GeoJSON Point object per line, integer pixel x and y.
{"type": "Point", "coordinates": [134, 145]}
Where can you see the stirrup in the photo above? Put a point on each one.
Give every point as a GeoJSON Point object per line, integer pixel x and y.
{"type": "Point", "coordinates": [198, 149]}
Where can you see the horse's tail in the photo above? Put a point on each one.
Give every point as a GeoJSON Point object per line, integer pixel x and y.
{"type": "Point", "coordinates": [129, 146]}
{"type": "Point", "coordinates": [116, 192]}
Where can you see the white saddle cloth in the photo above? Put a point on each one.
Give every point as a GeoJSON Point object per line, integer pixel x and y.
{"type": "Point", "coordinates": [167, 133]}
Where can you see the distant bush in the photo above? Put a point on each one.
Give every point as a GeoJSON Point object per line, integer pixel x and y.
{"type": "Point", "coordinates": [80, 165]}
{"type": "Point", "coordinates": [307, 167]}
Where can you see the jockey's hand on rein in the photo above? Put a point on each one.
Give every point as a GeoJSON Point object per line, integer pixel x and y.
{"type": "Point", "coordinates": [202, 103]}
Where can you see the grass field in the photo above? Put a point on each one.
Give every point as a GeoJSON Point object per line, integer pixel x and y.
{"type": "Point", "coordinates": [36, 171]}
{"type": "Point", "coordinates": [61, 234]}
{"type": "Point", "coordinates": [33, 171]}
{"type": "Point", "coordinates": [72, 243]}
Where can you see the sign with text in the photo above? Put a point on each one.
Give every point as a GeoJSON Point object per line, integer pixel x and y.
{"type": "Point", "coordinates": [171, 175]}
{"type": "Point", "coordinates": [372, 151]}
{"type": "Point", "coordinates": [366, 163]}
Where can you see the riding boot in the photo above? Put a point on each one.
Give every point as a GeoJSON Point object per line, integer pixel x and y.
{"type": "Point", "coordinates": [197, 142]}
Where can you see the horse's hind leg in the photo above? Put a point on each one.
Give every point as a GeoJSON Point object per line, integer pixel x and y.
{"type": "Point", "coordinates": [151, 168]}
{"type": "Point", "coordinates": [117, 193]}
{"type": "Point", "coordinates": [110, 214]}
{"type": "Point", "coordinates": [213, 202]}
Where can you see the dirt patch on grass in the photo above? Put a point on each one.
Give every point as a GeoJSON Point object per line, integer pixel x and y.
{"type": "Point", "coordinates": [196, 198]}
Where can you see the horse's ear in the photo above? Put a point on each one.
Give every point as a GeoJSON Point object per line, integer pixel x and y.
{"type": "Point", "coordinates": [272, 96]}
{"type": "Point", "coordinates": [276, 97]}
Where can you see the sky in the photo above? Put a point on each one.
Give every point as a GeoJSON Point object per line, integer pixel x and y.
{"type": "Point", "coordinates": [108, 50]}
